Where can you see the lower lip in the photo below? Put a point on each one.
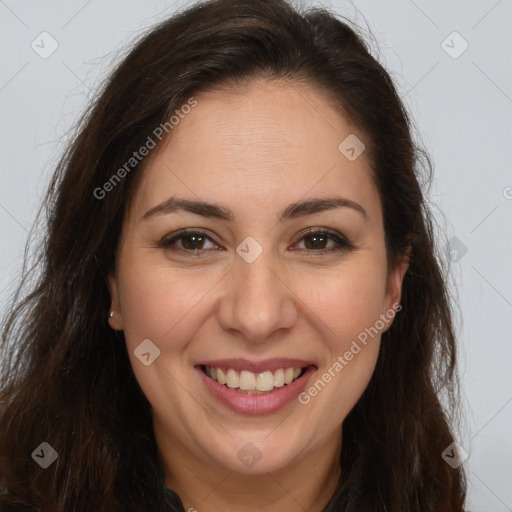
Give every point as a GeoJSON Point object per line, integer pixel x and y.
{"type": "Point", "coordinates": [256, 404]}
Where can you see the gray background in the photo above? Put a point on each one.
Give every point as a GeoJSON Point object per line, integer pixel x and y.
{"type": "Point", "coordinates": [462, 108]}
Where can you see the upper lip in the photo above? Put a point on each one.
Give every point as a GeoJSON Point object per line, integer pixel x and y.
{"type": "Point", "coordinates": [257, 366]}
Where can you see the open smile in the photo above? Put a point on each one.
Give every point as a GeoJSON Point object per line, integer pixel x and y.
{"type": "Point", "coordinates": [250, 388]}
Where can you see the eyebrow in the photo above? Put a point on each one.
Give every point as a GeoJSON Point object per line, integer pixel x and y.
{"type": "Point", "coordinates": [215, 211]}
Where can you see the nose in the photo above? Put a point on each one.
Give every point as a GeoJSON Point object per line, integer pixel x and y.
{"type": "Point", "coordinates": [257, 301]}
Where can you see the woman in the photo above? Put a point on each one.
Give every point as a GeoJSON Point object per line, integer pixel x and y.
{"type": "Point", "coordinates": [239, 304]}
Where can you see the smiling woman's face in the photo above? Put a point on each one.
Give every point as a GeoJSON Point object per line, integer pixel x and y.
{"type": "Point", "coordinates": [250, 291]}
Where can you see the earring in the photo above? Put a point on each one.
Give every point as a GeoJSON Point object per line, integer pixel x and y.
{"type": "Point", "coordinates": [111, 314]}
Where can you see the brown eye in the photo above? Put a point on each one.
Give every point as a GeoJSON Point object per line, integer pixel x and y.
{"type": "Point", "coordinates": [187, 242]}
{"type": "Point", "coordinates": [317, 242]}
{"type": "Point", "coordinates": [192, 241]}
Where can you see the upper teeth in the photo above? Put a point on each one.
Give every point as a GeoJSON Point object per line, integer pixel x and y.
{"type": "Point", "coordinates": [249, 381]}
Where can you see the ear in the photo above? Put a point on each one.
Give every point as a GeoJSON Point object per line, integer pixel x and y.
{"type": "Point", "coordinates": [394, 283]}
{"type": "Point", "coordinates": [115, 321]}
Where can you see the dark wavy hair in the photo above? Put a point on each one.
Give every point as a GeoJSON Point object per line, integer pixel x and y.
{"type": "Point", "coordinates": [66, 377]}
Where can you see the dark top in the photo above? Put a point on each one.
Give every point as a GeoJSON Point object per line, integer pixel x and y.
{"type": "Point", "coordinates": [173, 501]}
{"type": "Point", "coordinates": [338, 503]}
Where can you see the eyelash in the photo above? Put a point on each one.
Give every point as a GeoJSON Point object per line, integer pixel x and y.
{"type": "Point", "coordinates": [343, 243]}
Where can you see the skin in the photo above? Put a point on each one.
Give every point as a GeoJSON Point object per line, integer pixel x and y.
{"type": "Point", "coordinates": [254, 151]}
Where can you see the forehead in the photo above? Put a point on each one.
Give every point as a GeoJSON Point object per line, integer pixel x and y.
{"type": "Point", "coordinates": [268, 144]}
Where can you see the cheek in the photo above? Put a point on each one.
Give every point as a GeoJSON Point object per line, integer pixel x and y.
{"type": "Point", "coordinates": [347, 306]}
{"type": "Point", "coordinates": [346, 301]}
{"type": "Point", "coordinates": [159, 302]}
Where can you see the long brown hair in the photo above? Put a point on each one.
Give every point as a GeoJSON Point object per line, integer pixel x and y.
{"type": "Point", "coordinates": [66, 376]}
